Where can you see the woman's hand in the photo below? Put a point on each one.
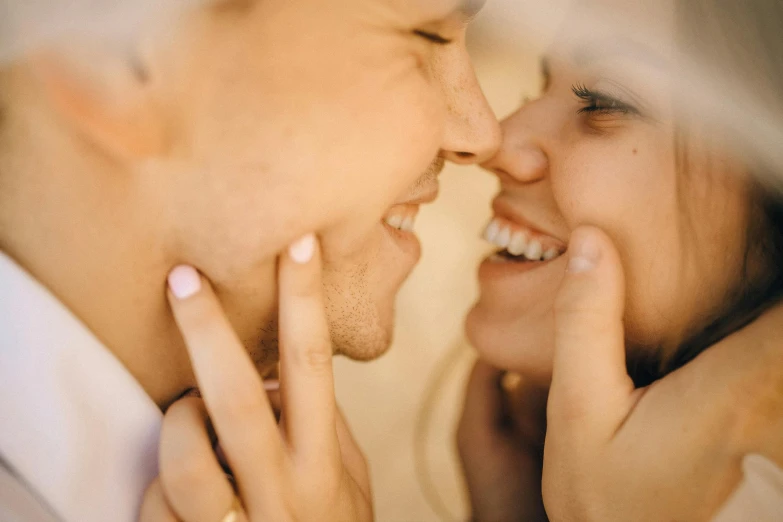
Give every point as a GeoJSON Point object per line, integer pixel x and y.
{"type": "Point", "coordinates": [307, 468]}
{"type": "Point", "coordinates": [501, 445]}
{"type": "Point", "coordinates": [671, 451]}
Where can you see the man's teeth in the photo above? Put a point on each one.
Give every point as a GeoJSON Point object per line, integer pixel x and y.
{"type": "Point", "coordinates": [401, 221]}
{"type": "Point", "coordinates": [519, 242]}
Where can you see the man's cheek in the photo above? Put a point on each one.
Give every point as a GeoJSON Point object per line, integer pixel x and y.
{"type": "Point", "coordinates": [351, 245]}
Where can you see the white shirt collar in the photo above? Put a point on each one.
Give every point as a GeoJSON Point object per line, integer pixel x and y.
{"type": "Point", "coordinates": [76, 426]}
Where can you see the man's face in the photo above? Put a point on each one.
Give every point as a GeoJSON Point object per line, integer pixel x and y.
{"type": "Point", "coordinates": [291, 117]}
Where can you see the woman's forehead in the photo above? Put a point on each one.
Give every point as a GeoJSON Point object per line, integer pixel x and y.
{"type": "Point", "coordinates": [642, 29]}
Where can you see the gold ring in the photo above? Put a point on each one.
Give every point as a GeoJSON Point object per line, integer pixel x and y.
{"type": "Point", "coordinates": [233, 512]}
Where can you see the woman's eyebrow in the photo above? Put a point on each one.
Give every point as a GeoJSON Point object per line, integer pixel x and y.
{"type": "Point", "coordinates": [619, 48]}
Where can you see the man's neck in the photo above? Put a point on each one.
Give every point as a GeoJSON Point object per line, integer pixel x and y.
{"type": "Point", "coordinates": [116, 289]}
{"type": "Point", "coordinates": [99, 255]}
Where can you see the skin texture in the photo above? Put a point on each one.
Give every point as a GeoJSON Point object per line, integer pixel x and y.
{"type": "Point", "coordinates": [680, 229]}
{"type": "Point", "coordinates": [233, 131]}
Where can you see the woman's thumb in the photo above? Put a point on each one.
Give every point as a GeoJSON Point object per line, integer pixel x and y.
{"type": "Point", "coordinates": [590, 381]}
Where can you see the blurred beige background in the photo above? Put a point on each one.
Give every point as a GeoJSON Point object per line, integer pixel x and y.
{"type": "Point", "coordinates": [383, 399]}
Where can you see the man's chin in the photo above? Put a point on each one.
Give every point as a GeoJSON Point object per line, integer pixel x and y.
{"type": "Point", "coordinates": [364, 346]}
{"type": "Point", "coordinates": [265, 357]}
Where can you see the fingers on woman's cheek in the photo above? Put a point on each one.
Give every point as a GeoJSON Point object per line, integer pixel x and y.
{"type": "Point", "coordinates": [154, 507]}
{"type": "Point", "coordinates": [193, 480]}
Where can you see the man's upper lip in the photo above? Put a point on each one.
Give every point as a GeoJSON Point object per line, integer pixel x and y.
{"type": "Point", "coordinates": [504, 209]}
{"type": "Point", "coordinates": [425, 190]}
{"type": "Point", "coordinates": [422, 197]}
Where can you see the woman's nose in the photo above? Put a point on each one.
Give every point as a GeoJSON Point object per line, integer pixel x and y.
{"type": "Point", "coordinates": [519, 157]}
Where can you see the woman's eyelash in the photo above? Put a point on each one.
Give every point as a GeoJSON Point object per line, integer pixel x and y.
{"type": "Point", "coordinates": [432, 37]}
{"type": "Point", "coordinates": [598, 102]}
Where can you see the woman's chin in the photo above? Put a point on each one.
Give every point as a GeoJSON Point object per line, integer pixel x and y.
{"type": "Point", "coordinates": [523, 345]}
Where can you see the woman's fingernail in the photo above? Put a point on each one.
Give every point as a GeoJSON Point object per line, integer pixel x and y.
{"type": "Point", "coordinates": [271, 385]}
{"type": "Point", "coordinates": [184, 282]}
{"type": "Point", "coordinates": [303, 250]}
{"type": "Point", "coordinates": [584, 253]}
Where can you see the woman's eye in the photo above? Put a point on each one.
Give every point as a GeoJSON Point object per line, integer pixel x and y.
{"type": "Point", "coordinates": [432, 37]}
{"type": "Point", "coordinates": [600, 103]}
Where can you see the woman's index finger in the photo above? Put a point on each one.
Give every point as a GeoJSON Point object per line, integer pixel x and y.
{"type": "Point", "coordinates": [228, 381]}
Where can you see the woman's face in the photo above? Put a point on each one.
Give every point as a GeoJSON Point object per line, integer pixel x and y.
{"type": "Point", "coordinates": [598, 147]}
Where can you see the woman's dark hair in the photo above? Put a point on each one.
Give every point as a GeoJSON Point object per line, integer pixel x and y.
{"type": "Point", "coordinates": [743, 37]}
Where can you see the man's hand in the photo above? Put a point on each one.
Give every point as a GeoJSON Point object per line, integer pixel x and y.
{"type": "Point", "coordinates": [671, 451]}
{"type": "Point", "coordinates": [307, 468]}
{"type": "Point", "coordinates": [501, 443]}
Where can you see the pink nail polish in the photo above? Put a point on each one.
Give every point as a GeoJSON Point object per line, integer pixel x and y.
{"type": "Point", "coordinates": [303, 250]}
{"type": "Point", "coordinates": [184, 282]}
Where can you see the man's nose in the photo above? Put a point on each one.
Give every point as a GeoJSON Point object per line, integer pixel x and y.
{"type": "Point", "coordinates": [472, 132]}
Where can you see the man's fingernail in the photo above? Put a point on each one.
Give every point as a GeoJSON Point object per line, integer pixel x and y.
{"type": "Point", "coordinates": [584, 253]}
{"type": "Point", "coordinates": [303, 250]}
{"type": "Point", "coordinates": [184, 282]}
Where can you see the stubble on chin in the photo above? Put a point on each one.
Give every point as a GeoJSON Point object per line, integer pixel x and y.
{"type": "Point", "coordinates": [265, 353]}
{"type": "Point", "coordinates": [359, 344]}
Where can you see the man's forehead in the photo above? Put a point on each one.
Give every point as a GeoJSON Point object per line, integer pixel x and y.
{"type": "Point", "coordinates": [444, 8]}
{"type": "Point", "coordinates": [470, 8]}
{"type": "Point", "coordinates": [467, 9]}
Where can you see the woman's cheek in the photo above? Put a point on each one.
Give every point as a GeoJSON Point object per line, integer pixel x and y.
{"type": "Point", "coordinates": [632, 196]}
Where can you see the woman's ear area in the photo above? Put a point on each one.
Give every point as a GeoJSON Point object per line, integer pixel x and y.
{"type": "Point", "coordinates": [105, 98]}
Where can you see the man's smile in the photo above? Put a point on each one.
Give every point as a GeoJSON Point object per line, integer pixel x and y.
{"type": "Point", "coordinates": [401, 217]}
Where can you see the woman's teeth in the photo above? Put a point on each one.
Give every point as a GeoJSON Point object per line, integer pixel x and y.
{"type": "Point", "coordinates": [520, 242]}
{"type": "Point", "coordinates": [401, 220]}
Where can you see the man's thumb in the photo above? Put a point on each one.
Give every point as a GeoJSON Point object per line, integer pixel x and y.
{"type": "Point", "coordinates": [590, 381]}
